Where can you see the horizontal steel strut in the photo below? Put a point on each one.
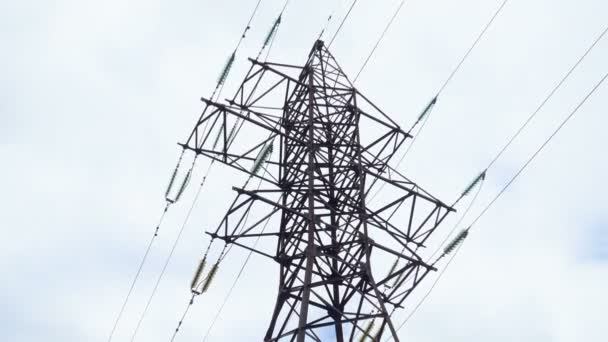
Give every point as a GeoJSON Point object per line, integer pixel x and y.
{"type": "Point", "coordinates": [332, 146]}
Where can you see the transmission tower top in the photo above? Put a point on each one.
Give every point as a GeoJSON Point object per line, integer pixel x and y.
{"type": "Point", "coordinates": [319, 148]}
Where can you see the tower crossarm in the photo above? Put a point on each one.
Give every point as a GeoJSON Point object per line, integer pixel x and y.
{"type": "Point", "coordinates": [321, 149]}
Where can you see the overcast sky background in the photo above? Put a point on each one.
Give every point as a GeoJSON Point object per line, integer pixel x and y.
{"type": "Point", "coordinates": [94, 96]}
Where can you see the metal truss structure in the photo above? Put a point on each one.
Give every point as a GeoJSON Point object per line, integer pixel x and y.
{"type": "Point", "coordinates": [345, 260]}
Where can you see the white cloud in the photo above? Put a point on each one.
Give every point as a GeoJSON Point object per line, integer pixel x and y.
{"type": "Point", "coordinates": [95, 95]}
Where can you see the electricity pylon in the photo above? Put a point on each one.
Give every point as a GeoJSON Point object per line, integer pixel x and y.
{"type": "Point", "coordinates": [344, 263]}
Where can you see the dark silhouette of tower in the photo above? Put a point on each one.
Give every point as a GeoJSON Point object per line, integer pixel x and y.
{"type": "Point", "coordinates": [321, 151]}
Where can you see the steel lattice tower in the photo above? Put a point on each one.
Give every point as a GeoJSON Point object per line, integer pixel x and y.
{"type": "Point", "coordinates": [334, 248]}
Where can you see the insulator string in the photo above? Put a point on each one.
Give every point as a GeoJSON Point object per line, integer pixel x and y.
{"type": "Point", "coordinates": [460, 220]}
{"type": "Point", "coordinates": [167, 261]}
{"type": "Point", "coordinates": [234, 283]}
{"type": "Point", "coordinates": [525, 165]}
{"type": "Point", "coordinates": [506, 186]}
{"type": "Point", "coordinates": [223, 254]}
{"type": "Point", "coordinates": [215, 92]}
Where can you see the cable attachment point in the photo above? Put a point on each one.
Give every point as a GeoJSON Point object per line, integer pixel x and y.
{"type": "Point", "coordinates": [210, 277]}
{"type": "Point", "coordinates": [477, 180]}
{"type": "Point", "coordinates": [182, 187]}
{"type": "Point", "coordinates": [245, 32]}
{"type": "Point", "coordinates": [196, 280]}
{"type": "Point", "coordinates": [173, 176]}
{"type": "Point", "coordinates": [272, 32]}
{"type": "Point", "coordinates": [262, 157]}
{"type": "Point", "coordinates": [455, 242]}
{"type": "Point", "coordinates": [226, 70]}
{"type": "Point", "coordinates": [427, 110]}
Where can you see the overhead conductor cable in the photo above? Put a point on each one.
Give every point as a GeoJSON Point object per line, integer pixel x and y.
{"type": "Point", "coordinates": [455, 248]}
{"type": "Point", "coordinates": [425, 114]}
{"type": "Point", "coordinates": [388, 25]}
{"type": "Point", "coordinates": [216, 92]}
{"type": "Point", "coordinates": [262, 157]}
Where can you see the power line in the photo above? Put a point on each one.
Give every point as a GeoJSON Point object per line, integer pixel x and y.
{"type": "Point", "coordinates": [238, 276]}
{"type": "Point", "coordinates": [382, 185]}
{"type": "Point", "coordinates": [191, 302]}
{"type": "Point", "coordinates": [390, 22]}
{"type": "Point", "coordinates": [219, 87]}
{"type": "Point", "coordinates": [459, 222]}
{"type": "Point", "coordinates": [255, 10]}
{"type": "Point", "coordinates": [342, 23]}
{"type": "Point", "coordinates": [450, 77]}
{"type": "Point", "coordinates": [543, 103]}
{"type": "Point", "coordinates": [272, 38]}
{"type": "Point", "coordinates": [141, 265]}
{"type": "Point", "coordinates": [428, 293]}
{"type": "Point", "coordinates": [537, 152]}
{"type": "Point", "coordinates": [167, 261]}
{"type": "Point", "coordinates": [329, 19]}
{"type": "Point", "coordinates": [517, 174]}
{"type": "Point", "coordinates": [454, 71]}
{"type": "Point", "coordinates": [466, 55]}
{"type": "Point", "coordinates": [548, 97]}
{"type": "Point", "coordinates": [508, 184]}
{"type": "Point", "coordinates": [179, 324]}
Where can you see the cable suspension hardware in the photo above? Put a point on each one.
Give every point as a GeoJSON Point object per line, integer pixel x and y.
{"type": "Point", "coordinates": [329, 18]}
{"type": "Point", "coordinates": [170, 200]}
{"type": "Point", "coordinates": [455, 245]}
{"type": "Point", "coordinates": [226, 70]}
{"type": "Point", "coordinates": [210, 277]}
{"type": "Point", "coordinates": [201, 284]}
{"type": "Point", "coordinates": [263, 156]}
{"type": "Point", "coordinates": [270, 35]}
{"type": "Point", "coordinates": [474, 183]}
{"type": "Point", "coordinates": [427, 110]}
{"type": "Point", "coordinates": [170, 186]}
{"type": "Point", "coordinates": [197, 278]}
{"type": "Point", "coordinates": [425, 113]}
{"type": "Point", "coordinates": [423, 116]}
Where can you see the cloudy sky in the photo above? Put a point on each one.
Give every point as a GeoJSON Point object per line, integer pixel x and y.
{"type": "Point", "coordinates": [95, 95]}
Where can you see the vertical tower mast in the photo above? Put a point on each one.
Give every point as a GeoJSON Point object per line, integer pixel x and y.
{"type": "Point", "coordinates": [335, 146]}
